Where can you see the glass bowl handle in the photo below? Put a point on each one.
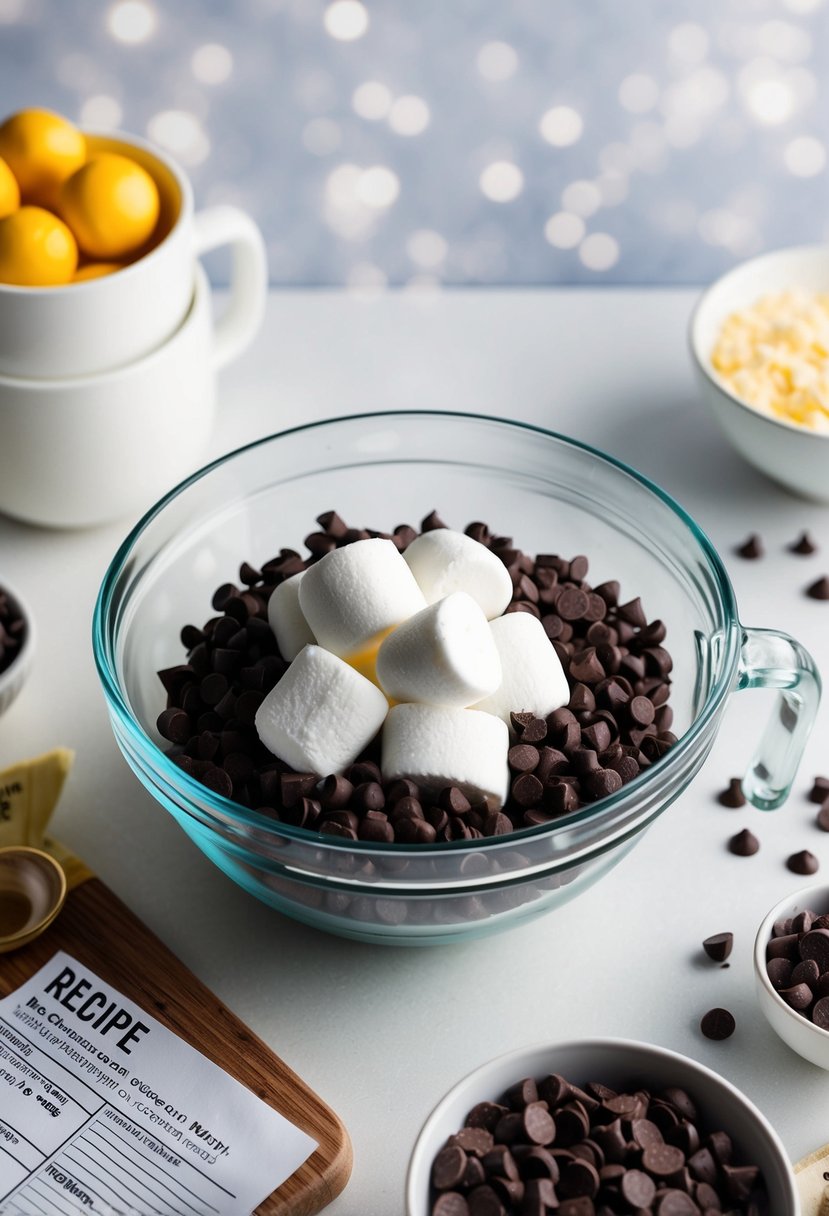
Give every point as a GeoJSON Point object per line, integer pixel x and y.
{"type": "Point", "coordinates": [770, 659]}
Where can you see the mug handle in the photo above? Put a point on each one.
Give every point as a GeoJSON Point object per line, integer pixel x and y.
{"type": "Point", "coordinates": [769, 659]}
{"type": "Point", "coordinates": [237, 326]}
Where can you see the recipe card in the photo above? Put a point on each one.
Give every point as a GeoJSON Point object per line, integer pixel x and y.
{"type": "Point", "coordinates": [103, 1109]}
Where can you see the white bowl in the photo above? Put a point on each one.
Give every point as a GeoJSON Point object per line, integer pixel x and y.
{"type": "Point", "coordinates": [613, 1062]}
{"type": "Point", "coordinates": [796, 1031]}
{"type": "Point", "coordinates": [792, 455]}
{"type": "Point", "coordinates": [17, 673]}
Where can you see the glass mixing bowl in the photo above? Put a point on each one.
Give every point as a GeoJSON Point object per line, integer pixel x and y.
{"type": "Point", "coordinates": [552, 495]}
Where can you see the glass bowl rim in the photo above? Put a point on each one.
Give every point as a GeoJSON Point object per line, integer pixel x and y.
{"type": "Point", "coordinates": [245, 817]}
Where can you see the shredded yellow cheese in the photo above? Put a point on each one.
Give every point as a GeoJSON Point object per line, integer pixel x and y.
{"type": "Point", "coordinates": [775, 357]}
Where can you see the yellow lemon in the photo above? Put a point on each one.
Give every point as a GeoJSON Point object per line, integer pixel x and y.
{"type": "Point", "coordinates": [111, 204]}
{"type": "Point", "coordinates": [42, 150]}
{"type": "Point", "coordinates": [9, 190]}
{"type": "Point", "coordinates": [36, 249]}
{"type": "Point", "coordinates": [95, 270]}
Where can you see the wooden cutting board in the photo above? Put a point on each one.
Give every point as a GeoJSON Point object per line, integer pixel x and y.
{"type": "Point", "coordinates": [101, 932]}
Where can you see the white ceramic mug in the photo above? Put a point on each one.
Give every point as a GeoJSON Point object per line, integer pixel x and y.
{"type": "Point", "coordinates": [104, 323]}
{"type": "Point", "coordinates": [84, 450]}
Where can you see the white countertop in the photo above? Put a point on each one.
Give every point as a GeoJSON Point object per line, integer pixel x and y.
{"type": "Point", "coordinates": [382, 1033]}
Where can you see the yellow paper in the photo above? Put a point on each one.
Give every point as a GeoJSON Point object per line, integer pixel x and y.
{"type": "Point", "coordinates": [29, 793]}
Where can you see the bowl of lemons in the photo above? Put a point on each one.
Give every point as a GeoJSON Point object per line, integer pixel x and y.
{"type": "Point", "coordinates": [108, 349]}
{"type": "Point", "coordinates": [96, 247]}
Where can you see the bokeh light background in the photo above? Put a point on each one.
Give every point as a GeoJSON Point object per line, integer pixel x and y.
{"type": "Point", "coordinates": [430, 142]}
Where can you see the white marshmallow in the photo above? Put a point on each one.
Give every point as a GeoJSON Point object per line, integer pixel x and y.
{"type": "Point", "coordinates": [286, 620]}
{"type": "Point", "coordinates": [444, 561]}
{"type": "Point", "coordinates": [321, 714]}
{"type": "Point", "coordinates": [437, 747]}
{"type": "Point", "coordinates": [356, 592]}
{"type": "Point", "coordinates": [533, 678]}
{"type": "Point", "coordinates": [444, 655]}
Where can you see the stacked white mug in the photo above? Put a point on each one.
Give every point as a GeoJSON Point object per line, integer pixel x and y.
{"type": "Point", "coordinates": [108, 387]}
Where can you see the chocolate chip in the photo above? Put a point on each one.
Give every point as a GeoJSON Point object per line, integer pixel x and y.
{"type": "Point", "coordinates": [803, 545]}
{"type": "Point", "coordinates": [784, 945]}
{"type": "Point", "coordinates": [820, 790]}
{"type": "Point", "coordinates": [744, 844]}
{"type": "Point", "coordinates": [523, 758]}
{"type": "Point", "coordinates": [330, 522]}
{"type": "Point", "coordinates": [822, 819]}
{"type": "Point", "coordinates": [637, 1189]}
{"type": "Point", "coordinates": [174, 725]}
{"type": "Point", "coordinates": [806, 972]}
{"type": "Point", "coordinates": [779, 971]}
{"type": "Point", "coordinates": [718, 946]}
{"type": "Point", "coordinates": [527, 790]}
{"type": "Point", "coordinates": [733, 796]}
{"type": "Point", "coordinates": [336, 792]}
{"type": "Point", "coordinates": [432, 522]}
{"type": "Point", "coordinates": [572, 604]}
{"type": "Point", "coordinates": [450, 1204]}
{"type": "Point", "coordinates": [803, 862]}
{"type": "Point", "coordinates": [448, 1168]}
{"type": "Point", "coordinates": [663, 1160]}
{"type": "Point", "coordinates": [717, 1024]}
{"type": "Point", "coordinates": [752, 548]}
{"type": "Point", "coordinates": [819, 590]}
{"type": "Point", "coordinates": [820, 1013]}
{"type": "Point", "coordinates": [815, 945]}
{"type": "Point", "coordinates": [454, 801]}
{"type": "Point", "coordinates": [216, 779]}
{"type": "Point", "coordinates": [539, 1127]}
{"type": "Point", "coordinates": [799, 996]}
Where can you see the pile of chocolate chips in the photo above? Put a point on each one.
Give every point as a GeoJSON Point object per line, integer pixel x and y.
{"type": "Point", "coordinates": [12, 629]}
{"type": "Point", "coordinates": [797, 963]}
{"type": "Point", "coordinates": [617, 721]}
{"type": "Point", "coordinates": [552, 1146]}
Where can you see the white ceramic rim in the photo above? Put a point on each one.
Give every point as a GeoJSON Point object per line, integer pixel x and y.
{"type": "Point", "coordinates": [185, 210]}
{"type": "Point", "coordinates": [199, 300]}
{"type": "Point", "coordinates": [417, 1164]}
{"type": "Point", "coordinates": [777, 255]}
{"type": "Point", "coordinates": [805, 896]}
{"type": "Point", "coordinates": [19, 667]}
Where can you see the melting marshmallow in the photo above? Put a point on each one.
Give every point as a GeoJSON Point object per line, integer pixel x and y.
{"type": "Point", "coordinates": [321, 714]}
{"type": "Point", "coordinates": [443, 655]}
{"type": "Point", "coordinates": [286, 618]}
{"type": "Point", "coordinates": [533, 678]}
{"type": "Point", "coordinates": [437, 747]}
{"type": "Point", "coordinates": [357, 592]}
{"type": "Point", "coordinates": [444, 561]}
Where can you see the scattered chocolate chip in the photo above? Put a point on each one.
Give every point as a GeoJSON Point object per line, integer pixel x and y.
{"type": "Point", "coordinates": [803, 545]}
{"type": "Point", "coordinates": [751, 549]}
{"type": "Point", "coordinates": [744, 844]}
{"type": "Point", "coordinates": [718, 946]}
{"type": "Point", "coordinates": [819, 590]}
{"type": "Point", "coordinates": [822, 819]}
{"type": "Point", "coordinates": [733, 795]}
{"type": "Point", "coordinates": [803, 862]}
{"type": "Point", "coordinates": [820, 790]}
{"type": "Point", "coordinates": [718, 1024]}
